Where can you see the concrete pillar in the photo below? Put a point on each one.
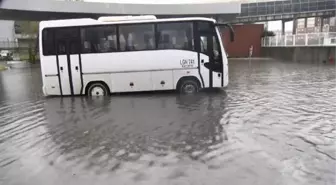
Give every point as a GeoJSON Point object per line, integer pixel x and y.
{"type": "Point", "coordinates": [305, 22]}
{"type": "Point", "coordinates": [266, 25]}
{"type": "Point", "coordinates": [294, 26]}
{"type": "Point", "coordinates": [283, 27]}
{"type": "Point", "coordinates": [322, 24]}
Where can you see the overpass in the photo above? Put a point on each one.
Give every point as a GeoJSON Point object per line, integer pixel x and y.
{"type": "Point", "coordinates": [51, 9]}
{"type": "Point", "coordinates": [234, 12]}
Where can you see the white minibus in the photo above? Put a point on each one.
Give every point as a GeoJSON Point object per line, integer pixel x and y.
{"type": "Point", "coordinates": [97, 57]}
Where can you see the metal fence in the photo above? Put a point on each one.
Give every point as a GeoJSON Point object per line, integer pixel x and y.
{"type": "Point", "coordinates": [309, 39]}
{"type": "Point", "coordinates": [9, 44]}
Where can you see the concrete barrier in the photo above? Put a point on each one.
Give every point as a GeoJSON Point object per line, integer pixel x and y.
{"type": "Point", "coordinates": [301, 54]}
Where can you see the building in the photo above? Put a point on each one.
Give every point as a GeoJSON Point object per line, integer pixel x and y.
{"type": "Point", "coordinates": [316, 24]}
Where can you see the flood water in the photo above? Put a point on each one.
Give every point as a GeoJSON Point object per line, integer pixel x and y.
{"type": "Point", "coordinates": [274, 124]}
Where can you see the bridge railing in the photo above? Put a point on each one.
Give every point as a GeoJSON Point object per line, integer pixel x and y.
{"type": "Point", "coordinates": [309, 39]}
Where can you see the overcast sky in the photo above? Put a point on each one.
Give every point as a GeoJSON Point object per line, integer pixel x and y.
{"type": "Point", "coordinates": [177, 1]}
{"type": "Point", "coordinates": [156, 1]}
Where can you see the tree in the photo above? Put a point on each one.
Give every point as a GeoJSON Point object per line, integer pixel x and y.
{"type": "Point", "coordinates": [267, 33]}
{"type": "Point", "coordinates": [29, 32]}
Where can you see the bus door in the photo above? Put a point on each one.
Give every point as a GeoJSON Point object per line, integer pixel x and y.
{"type": "Point", "coordinates": [210, 60]}
{"type": "Point", "coordinates": [68, 47]}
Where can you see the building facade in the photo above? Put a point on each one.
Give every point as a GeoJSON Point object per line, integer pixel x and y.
{"type": "Point", "coordinates": [316, 24]}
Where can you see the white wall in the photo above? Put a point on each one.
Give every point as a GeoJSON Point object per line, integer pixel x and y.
{"type": "Point", "coordinates": [6, 30]}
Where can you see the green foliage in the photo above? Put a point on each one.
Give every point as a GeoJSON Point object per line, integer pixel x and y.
{"type": "Point", "coordinates": [28, 27]}
{"type": "Point", "coordinates": [29, 30]}
{"type": "Point", "coordinates": [2, 67]}
{"type": "Point", "coordinates": [267, 33]}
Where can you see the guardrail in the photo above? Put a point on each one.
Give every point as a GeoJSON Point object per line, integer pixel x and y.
{"type": "Point", "coordinates": [309, 39]}
{"type": "Point", "coordinates": [9, 44]}
{"type": "Point", "coordinates": [25, 36]}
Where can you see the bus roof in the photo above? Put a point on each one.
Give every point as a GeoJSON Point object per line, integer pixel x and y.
{"type": "Point", "coordinates": [89, 21]}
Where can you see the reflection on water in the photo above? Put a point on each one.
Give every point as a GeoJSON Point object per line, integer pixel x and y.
{"type": "Point", "coordinates": [273, 125]}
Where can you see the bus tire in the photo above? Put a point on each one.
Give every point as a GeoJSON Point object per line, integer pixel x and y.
{"type": "Point", "coordinates": [188, 86]}
{"type": "Point", "coordinates": [97, 89]}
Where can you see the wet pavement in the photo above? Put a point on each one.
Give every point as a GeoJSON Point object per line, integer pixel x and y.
{"type": "Point", "coordinates": [274, 124]}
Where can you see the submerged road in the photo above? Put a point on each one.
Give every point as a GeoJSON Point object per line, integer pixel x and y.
{"type": "Point", "coordinates": [274, 124]}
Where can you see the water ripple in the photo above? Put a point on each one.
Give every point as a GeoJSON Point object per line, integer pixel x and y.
{"type": "Point", "coordinates": [274, 124]}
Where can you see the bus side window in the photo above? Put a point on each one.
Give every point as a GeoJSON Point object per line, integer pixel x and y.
{"type": "Point", "coordinates": [98, 39]}
{"type": "Point", "coordinates": [204, 45]}
{"type": "Point", "coordinates": [136, 37]}
{"type": "Point", "coordinates": [122, 43]}
{"type": "Point", "coordinates": [61, 48]}
{"type": "Point", "coordinates": [149, 41]}
{"type": "Point", "coordinates": [175, 36]}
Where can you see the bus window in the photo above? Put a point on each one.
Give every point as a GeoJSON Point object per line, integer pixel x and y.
{"type": "Point", "coordinates": [215, 48]}
{"type": "Point", "coordinates": [99, 39]}
{"type": "Point", "coordinates": [67, 38]}
{"type": "Point", "coordinates": [209, 43]}
{"type": "Point", "coordinates": [175, 36]}
{"type": "Point", "coordinates": [136, 37]}
{"type": "Point", "coordinates": [204, 45]}
{"type": "Point", "coordinates": [48, 43]}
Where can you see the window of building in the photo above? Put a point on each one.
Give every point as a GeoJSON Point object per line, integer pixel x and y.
{"type": "Point", "coordinates": [296, 7]}
{"type": "Point", "coordinates": [330, 4]}
{"type": "Point", "coordinates": [322, 5]}
{"type": "Point", "coordinates": [244, 11]}
{"type": "Point", "coordinates": [136, 37]}
{"type": "Point", "coordinates": [99, 39]}
{"type": "Point", "coordinates": [312, 6]}
{"type": "Point", "coordinates": [287, 8]}
{"type": "Point", "coordinates": [304, 7]}
{"type": "Point", "coordinates": [262, 10]}
{"type": "Point", "coordinates": [252, 11]}
{"type": "Point", "coordinates": [175, 36]}
{"type": "Point", "coordinates": [270, 9]}
{"type": "Point", "coordinates": [48, 42]}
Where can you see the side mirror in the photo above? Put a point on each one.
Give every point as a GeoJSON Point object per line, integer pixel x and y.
{"type": "Point", "coordinates": [232, 34]}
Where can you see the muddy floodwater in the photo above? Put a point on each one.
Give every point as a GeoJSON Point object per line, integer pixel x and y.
{"type": "Point", "coordinates": [273, 125]}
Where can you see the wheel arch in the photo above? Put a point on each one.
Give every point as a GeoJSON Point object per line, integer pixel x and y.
{"type": "Point", "coordinates": [188, 78]}
{"type": "Point", "coordinates": [96, 81]}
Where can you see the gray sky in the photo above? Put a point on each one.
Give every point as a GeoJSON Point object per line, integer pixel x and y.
{"type": "Point", "coordinates": [175, 1]}
{"type": "Point", "coordinates": [6, 30]}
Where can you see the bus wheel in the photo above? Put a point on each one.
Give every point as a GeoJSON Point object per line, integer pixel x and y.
{"type": "Point", "coordinates": [97, 89]}
{"type": "Point", "coordinates": [189, 87]}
